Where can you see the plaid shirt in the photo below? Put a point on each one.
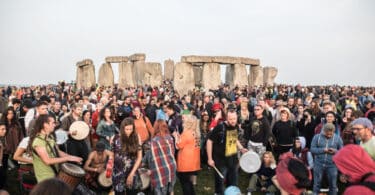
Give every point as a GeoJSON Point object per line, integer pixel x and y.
{"type": "Point", "coordinates": [161, 161]}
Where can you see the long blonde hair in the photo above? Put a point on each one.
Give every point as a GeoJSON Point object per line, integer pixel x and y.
{"type": "Point", "coordinates": [191, 123]}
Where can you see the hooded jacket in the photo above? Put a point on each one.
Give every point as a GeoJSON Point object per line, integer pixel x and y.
{"type": "Point", "coordinates": [354, 162]}
{"type": "Point", "coordinates": [321, 142]}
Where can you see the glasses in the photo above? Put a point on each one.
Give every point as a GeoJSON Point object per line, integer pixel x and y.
{"type": "Point", "coordinates": [258, 109]}
{"type": "Point", "coordinates": [357, 129]}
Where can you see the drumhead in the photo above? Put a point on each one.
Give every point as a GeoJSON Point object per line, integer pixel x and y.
{"type": "Point", "coordinates": [250, 162]}
{"type": "Point", "coordinates": [82, 129]}
{"type": "Point", "coordinates": [61, 136]}
{"type": "Point", "coordinates": [104, 181]}
{"type": "Point", "coordinates": [72, 169]}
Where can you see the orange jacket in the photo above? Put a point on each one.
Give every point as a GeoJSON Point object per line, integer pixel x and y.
{"type": "Point", "coordinates": [143, 129]}
{"type": "Point", "coordinates": [188, 158]}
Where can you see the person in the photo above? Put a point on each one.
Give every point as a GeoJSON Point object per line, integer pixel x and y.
{"type": "Point", "coordinates": [41, 108]}
{"type": "Point", "coordinates": [357, 168]}
{"type": "Point", "coordinates": [263, 177]}
{"type": "Point", "coordinates": [127, 158]}
{"type": "Point", "coordinates": [284, 132]}
{"type": "Point", "coordinates": [257, 131]}
{"type": "Point", "coordinates": [188, 157]}
{"type": "Point", "coordinates": [222, 145]}
{"type": "Point", "coordinates": [3, 161]}
{"type": "Point", "coordinates": [96, 164]}
{"type": "Point", "coordinates": [46, 156]}
{"type": "Point", "coordinates": [306, 127]}
{"type": "Point", "coordinates": [301, 152]}
{"type": "Point", "coordinates": [86, 117]}
{"type": "Point", "coordinates": [75, 147]}
{"type": "Point", "coordinates": [330, 117]}
{"type": "Point", "coordinates": [323, 147]}
{"type": "Point", "coordinates": [106, 127]}
{"type": "Point", "coordinates": [143, 125]}
{"type": "Point", "coordinates": [174, 119]}
{"type": "Point", "coordinates": [160, 160]}
{"type": "Point", "coordinates": [292, 176]}
{"type": "Point", "coordinates": [362, 129]}
{"type": "Point", "coordinates": [13, 136]}
{"type": "Point", "coordinates": [51, 186]}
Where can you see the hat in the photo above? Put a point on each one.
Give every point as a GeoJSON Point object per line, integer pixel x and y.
{"type": "Point", "coordinates": [353, 160]}
{"type": "Point", "coordinates": [216, 107]}
{"type": "Point", "coordinates": [100, 147]}
{"type": "Point", "coordinates": [329, 127]}
{"type": "Point", "coordinates": [364, 122]}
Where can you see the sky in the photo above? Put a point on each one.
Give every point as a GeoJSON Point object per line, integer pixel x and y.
{"type": "Point", "coordinates": [311, 42]}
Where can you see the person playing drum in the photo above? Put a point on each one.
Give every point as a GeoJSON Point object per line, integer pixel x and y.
{"type": "Point", "coordinates": [46, 156]}
{"type": "Point", "coordinates": [96, 163]}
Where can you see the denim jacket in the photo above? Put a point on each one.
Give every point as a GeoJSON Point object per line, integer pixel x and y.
{"type": "Point", "coordinates": [320, 142]}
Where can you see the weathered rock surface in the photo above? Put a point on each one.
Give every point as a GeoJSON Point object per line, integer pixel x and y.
{"type": "Point", "coordinates": [126, 75]}
{"type": "Point", "coordinates": [168, 69]}
{"type": "Point", "coordinates": [106, 77]}
{"type": "Point", "coordinates": [269, 75]}
{"type": "Point", "coordinates": [240, 77]}
{"type": "Point", "coordinates": [116, 59]}
{"type": "Point", "coordinates": [148, 73]}
{"type": "Point", "coordinates": [137, 57]}
{"type": "Point", "coordinates": [220, 60]}
{"type": "Point", "coordinates": [211, 76]}
{"type": "Point", "coordinates": [183, 78]}
{"type": "Point", "coordinates": [198, 74]}
{"type": "Point", "coordinates": [256, 76]}
{"type": "Point", "coordinates": [85, 62]}
{"type": "Point", "coordinates": [86, 76]}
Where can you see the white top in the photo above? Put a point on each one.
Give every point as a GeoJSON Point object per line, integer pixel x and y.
{"type": "Point", "coordinates": [23, 144]}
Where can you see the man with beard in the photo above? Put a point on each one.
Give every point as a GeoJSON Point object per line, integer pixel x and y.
{"type": "Point", "coordinates": [222, 145]}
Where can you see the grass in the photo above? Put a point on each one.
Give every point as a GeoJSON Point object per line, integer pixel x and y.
{"type": "Point", "coordinates": [205, 183]}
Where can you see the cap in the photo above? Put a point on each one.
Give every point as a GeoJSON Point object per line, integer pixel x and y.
{"type": "Point", "coordinates": [363, 121]}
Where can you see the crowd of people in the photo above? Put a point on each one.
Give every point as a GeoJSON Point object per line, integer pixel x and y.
{"type": "Point", "coordinates": [307, 138]}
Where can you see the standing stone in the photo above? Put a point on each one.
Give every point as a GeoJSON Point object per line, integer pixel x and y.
{"type": "Point", "coordinates": [85, 74]}
{"type": "Point", "coordinates": [269, 75]}
{"type": "Point", "coordinates": [229, 75]}
{"type": "Point", "coordinates": [198, 73]}
{"type": "Point", "coordinates": [211, 77]}
{"type": "Point", "coordinates": [183, 78]}
{"type": "Point", "coordinates": [126, 75]}
{"type": "Point", "coordinates": [148, 73]}
{"type": "Point", "coordinates": [237, 75]}
{"type": "Point", "coordinates": [256, 76]}
{"type": "Point", "coordinates": [168, 69]}
{"type": "Point", "coordinates": [106, 77]}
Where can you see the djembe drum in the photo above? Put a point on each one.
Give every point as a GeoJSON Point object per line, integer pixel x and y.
{"type": "Point", "coordinates": [71, 174]}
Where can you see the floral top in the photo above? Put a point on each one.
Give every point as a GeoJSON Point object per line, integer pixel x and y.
{"type": "Point", "coordinates": [123, 165]}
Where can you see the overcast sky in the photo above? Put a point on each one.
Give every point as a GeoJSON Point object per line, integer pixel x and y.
{"type": "Point", "coordinates": [309, 41]}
